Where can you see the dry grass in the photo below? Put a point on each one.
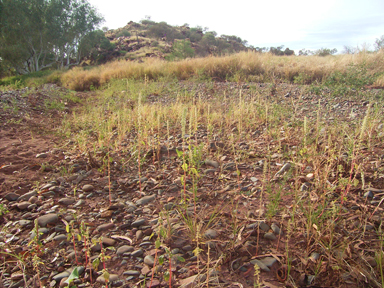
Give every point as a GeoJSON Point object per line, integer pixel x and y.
{"type": "Point", "coordinates": [244, 66]}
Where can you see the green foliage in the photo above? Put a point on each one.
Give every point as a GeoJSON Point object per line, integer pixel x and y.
{"type": "Point", "coordinates": [325, 52]}
{"type": "Point", "coordinates": [35, 34]}
{"type": "Point", "coordinates": [356, 76]}
{"type": "Point", "coordinates": [124, 33]}
{"type": "Point", "coordinates": [181, 50]}
{"type": "Point", "coordinates": [155, 44]}
{"type": "Point", "coordinates": [3, 210]}
{"type": "Point", "coordinates": [279, 51]}
{"type": "Point", "coordinates": [21, 81]}
{"type": "Point", "coordinates": [165, 31]}
{"type": "Point", "coordinates": [74, 275]}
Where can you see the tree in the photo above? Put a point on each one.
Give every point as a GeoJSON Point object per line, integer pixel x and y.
{"type": "Point", "coordinates": [349, 50]}
{"type": "Point", "coordinates": [35, 34]}
{"type": "Point", "coordinates": [325, 52]}
{"type": "Point", "coordinates": [305, 52]}
{"type": "Point", "coordinates": [379, 43]}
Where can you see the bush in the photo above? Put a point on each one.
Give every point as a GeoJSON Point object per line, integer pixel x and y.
{"type": "Point", "coordinates": [123, 33]}
{"type": "Point", "coordinates": [155, 44]}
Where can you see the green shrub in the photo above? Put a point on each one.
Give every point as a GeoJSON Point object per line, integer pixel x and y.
{"type": "Point", "coordinates": [124, 33]}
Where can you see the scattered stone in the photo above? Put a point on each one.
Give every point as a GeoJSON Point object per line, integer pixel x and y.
{"type": "Point", "coordinates": [106, 214]}
{"type": "Point", "coordinates": [88, 188]}
{"type": "Point", "coordinates": [24, 223]}
{"type": "Point", "coordinates": [79, 203]}
{"type": "Point", "coordinates": [263, 226]}
{"type": "Point", "coordinates": [108, 241]}
{"type": "Point", "coordinates": [169, 206]}
{"type": "Point", "coordinates": [270, 236]}
{"type": "Point", "coordinates": [42, 155]}
{"type": "Point", "coordinates": [28, 195]}
{"type": "Point", "coordinates": [139, 234]}
{"type": "Point", "coordinates": [145, 200]}
{"type": "Point", "coordinates": [47, 219]}
{"type": "Point", "coordinates": [23, 205]}
{"type": "Point", "coordinates": [210, 234]}
{"type": "Point", "coordinates": [123, 249]}
{"type": "Point", "coordinates": [138, 222]}
{"type": "Point", "coordinates": [283, 169]}
{"type": "Point", "coordinates": [276, 229]}
{"type": "Point", "coordinates": [314, 256]}
{"type": "Point", "coordinates": [261, 265]}
{"type": "Point", "coordinates": [67, 201]}
{"type": "Point", "coordinates": [149, 260]}
{"type": "Point", "coordinates": [131, 273]}
{"type": "Point", "coordinates": [104, 227]}
{"type": "Point", "coordinates": [112, 278]}
{"type": "Point", "coordinates": [11, 196]}
{"type": "Point", "coordinates": [137, 253]}
{"type": "Point", "coordinates": [268, 261]}
{"type": "Point", "coordinates": [212, 163]}
{"type": "Point", "coordinates": [368, 194]}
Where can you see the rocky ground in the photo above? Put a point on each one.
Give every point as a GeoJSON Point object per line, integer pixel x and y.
{"type": "Point", "coordinates": [85, 217]}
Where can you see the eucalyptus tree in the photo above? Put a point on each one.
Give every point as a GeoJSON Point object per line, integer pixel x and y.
{"type": "Point", "coordinates": [35, 34]}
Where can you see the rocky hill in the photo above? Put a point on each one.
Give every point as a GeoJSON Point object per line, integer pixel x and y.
{"type": "Point", "coordinates": [136, 41]}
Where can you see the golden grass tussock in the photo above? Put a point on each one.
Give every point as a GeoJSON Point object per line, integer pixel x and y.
{"type": "Point", "coordinates": [244, 66]}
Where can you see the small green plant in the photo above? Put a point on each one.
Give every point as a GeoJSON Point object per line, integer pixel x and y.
{"type": "Point", "coordinates": [3, 210]}
{"type": "Point", "coordinates": [74, 275]}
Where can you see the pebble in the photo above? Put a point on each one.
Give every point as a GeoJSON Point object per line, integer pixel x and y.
{"type": "Point", "coordinates": [123, 249]}
{"type": "Point", "coordinates": [88, 188]}
{"type": "Point", "coordinates": [210, 234]}
{"type": "Point", "coordinates": [145, 200]}
{"type": "Point", "coordinates": [108, 241]}
{"type": "Point", "coordinates": [11, 196]}
{"type": "Point", "coordinates": [42, 155]}
{"type": "Point", "coordinates": [24, 223]}
{"type": "Point", "coordinates": [131, 273]}
{"type": "Point", "coordinates": [137, 253]}
{"type": "Point", "coordinates": [112, 278]}
{"type": "Point", "coordinates": [23, 205]}
{"type": "Point", "coordinates": [283, 169]}
{"type": "Point", "coordinates": [138, 222]}
{"type": "Point", "coordinates": [104, 227]}
{"type": "Point", "coordinates": [261, 265]}
{"type": "Point", "coordinates": [27, 195]}
{"type": "Point", "coordinates": [149, 260]}
{"type": "Point", "coordinates": [270, 236]}
{"type": "Point", "coordinates": [368, 194]}
{"type": "Point", "coordinates": [314, 256]}
{"type": "Point", "coordinates": [67, 201]}
{"type": "Point", "coordinates": [60, 238]}
{"type": "Point", "coordinates": [276, 229]}
{"type": "Point", "coordinates": [79, 203]}
{"type": "Point", "coordinates": [212, 163]}
{"type": "Point", "coordinates": [47, 219]}
{"type": "Point", "coordinates": [263, 226]}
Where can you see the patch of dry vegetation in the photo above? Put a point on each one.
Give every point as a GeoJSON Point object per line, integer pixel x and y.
{"type": "Point", "coordinates": [244, 66]}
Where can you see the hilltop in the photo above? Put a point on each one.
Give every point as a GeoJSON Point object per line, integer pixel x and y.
{"type": "Point", "coordinates": [161, 40]}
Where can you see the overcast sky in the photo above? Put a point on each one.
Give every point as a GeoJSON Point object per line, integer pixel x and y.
{"type": "Point", "coordinates": [295, 24]}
